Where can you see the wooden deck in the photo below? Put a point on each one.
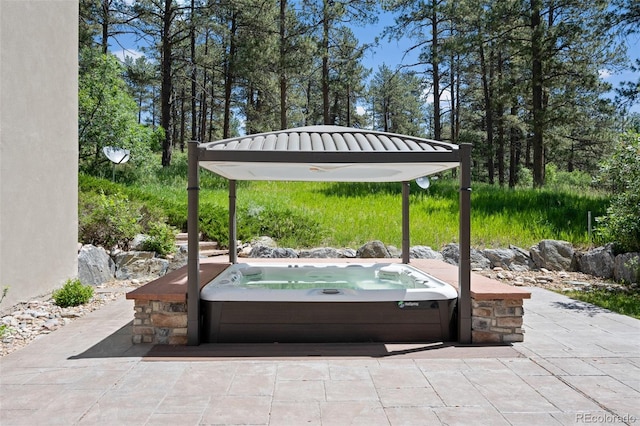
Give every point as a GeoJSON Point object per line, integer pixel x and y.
{"type": "Point", "coordinates": [173, 286]}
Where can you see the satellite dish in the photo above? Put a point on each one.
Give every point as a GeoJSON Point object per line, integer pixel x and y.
{"type": "Point", "coordinates": [423, 182]}
{"type": "Point", "coordinates": [116, 155]}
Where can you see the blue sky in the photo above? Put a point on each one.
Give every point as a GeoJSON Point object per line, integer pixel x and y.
{"type": "Point", "coordinates": [392, 52]}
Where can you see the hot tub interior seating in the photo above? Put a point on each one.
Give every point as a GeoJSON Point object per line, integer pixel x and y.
{"type": "Point", "coordinates": [380, 302]}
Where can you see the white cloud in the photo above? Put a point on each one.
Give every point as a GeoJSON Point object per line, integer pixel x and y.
{"type": "Point", "coordinates": [360, 110]}
{"type": "Point", "coordinates": [604, 74]}
{"type": "Point", "coordinates": [122, 53]}
{"type": "Point", "coordinates": [445, 97]}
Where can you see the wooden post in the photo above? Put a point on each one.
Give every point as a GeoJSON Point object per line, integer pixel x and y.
{"type": "Point", "coordinates": [464, 265]}
{"type": "Point", "coordinates": [193, 261]}
{"type": "Point", "coordinates": [405, 222]}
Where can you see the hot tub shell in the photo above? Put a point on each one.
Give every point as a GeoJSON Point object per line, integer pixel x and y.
{"type": "Point", "coordinates": [321, 313]}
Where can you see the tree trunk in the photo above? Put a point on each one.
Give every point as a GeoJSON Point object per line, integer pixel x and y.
{"type": "Point", "coordinates": [452, 115]}
{"type": "Point", "coordinates": [202, 131]}
{"type": "Point", "coordinates": [435, 60]}
{"type": "Point", "coordinates": [514, 151]}
{"type": "Point", "coordinates": [283, 74]}
{"type": "Point", "coordinates": [194, 74]}
{"type": "Point", "coordinates": [499, 110]}
{"type": "Point", "coordinates": [488, 113]}
{"type": "Point", "coordinates": [105, 26]}
{"type": "Point", "coordinates": [537, 140]}
{"type": "Point", "coordinates": [325, 62]}
{"type": "Point", "coordinates": [228, 79]}
{"type": "Point", "coordinates": [348, 105]}
{"type": "Point", "coordinates": [167, 85]}
{"type": "Point", "coordinates": [183, 118]}
{"type": "Point", "coordinates": [212, 95]}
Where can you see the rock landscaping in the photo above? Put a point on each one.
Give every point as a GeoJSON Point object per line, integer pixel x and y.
{"type": "Point", "coordinates": [27, 321]}
{"type": "Point", "coordinates": [551, 264]}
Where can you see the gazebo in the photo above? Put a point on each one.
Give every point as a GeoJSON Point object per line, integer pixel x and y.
{"type": "Point", "coordinates": [330, 154]}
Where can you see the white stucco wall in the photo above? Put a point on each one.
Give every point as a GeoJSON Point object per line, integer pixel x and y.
{"type": "Point", "coordinates": [38, 146]}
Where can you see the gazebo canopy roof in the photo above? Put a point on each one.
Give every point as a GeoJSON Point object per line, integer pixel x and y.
{"type": "Point", "coordinates": [328, 153]}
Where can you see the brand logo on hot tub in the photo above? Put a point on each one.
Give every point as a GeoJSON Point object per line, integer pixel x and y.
{"type": "Point", "coordinates": [403, 305]}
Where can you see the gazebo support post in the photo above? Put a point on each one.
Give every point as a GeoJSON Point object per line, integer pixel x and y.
{"type": "Point", "coordinates": [193, 262]}
{"type": "Point", "coordinates": [233, 238]}
{"type": "Point", "coordinates": [464, 265]}
{"type": "Point", "coordinates": [405, 222]}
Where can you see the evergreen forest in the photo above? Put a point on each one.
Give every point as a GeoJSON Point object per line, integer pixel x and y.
{"type": "Point", "coordinates": [519, 79]}
{"type": "Point", "coordinates": [524, 81]}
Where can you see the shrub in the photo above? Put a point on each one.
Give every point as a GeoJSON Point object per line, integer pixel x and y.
{"type": "Point", "coordinates": [621, 173]}
{"type": "Point", "coordinates": [286, 226]}
{"type": "Point", "coordinates": [161, 238]}
{"type": "Point", "coordinates": [567, 181]}
{"type": "Point", "coordinates": [73, 293]}
{"type": "Point", "coordinates": [214, 223]}
{"type": "Point", "coordinates": [108, 221]}
{"type": "Point", "coordinates": [4, 328]}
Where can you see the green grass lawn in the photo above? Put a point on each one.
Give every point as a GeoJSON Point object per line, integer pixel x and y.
{"type": "Point", "coordinates": [351, 214]}
{"type": "Point", "coordinates": [622, 302]}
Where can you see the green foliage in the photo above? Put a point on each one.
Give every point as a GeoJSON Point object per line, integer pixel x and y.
{"type": "Point", "coordinates": [107, 220]}
{"type": "Point", "coordinates": [214, 224]}
{"type": "Point", "coordinates": [161, 238]}
{"type": "Point", "coordinates": [621, 174]}
{"type": "Point", "coordinates": [304, 214]}
{"type": "Point", "coordinates": [73, 293]}
{"type": "Point", "coordinates": [4, 328]}
{"type": "Point", "coordinates": [396, 108]}
{"type": "Point", "coordinates": [284, 225]}
{"type": "Point", "coordinates": [525, 178]}
{"type": "Point", "coordinates": [178, 171]}
{"type": "Point", "coordinates": [289, 227]}
{"type": "Point", "coordinates": [107, 116]}
{"type": "Point", "coordinates": [621, 300]}
{"type": "Point", "coordinates": [567, 181]}
{"type": "Point", "coordinates": [88, 183]}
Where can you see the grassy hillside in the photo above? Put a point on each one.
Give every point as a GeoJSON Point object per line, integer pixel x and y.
{"type": "Point", "coordinates": [305, 214]}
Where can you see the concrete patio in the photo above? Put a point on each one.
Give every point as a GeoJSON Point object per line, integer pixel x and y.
{"type": "Point", "coordinates": [578, 364]}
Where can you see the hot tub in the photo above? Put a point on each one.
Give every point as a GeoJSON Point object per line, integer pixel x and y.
{"type": "Point", "coordinates": [376, 302]}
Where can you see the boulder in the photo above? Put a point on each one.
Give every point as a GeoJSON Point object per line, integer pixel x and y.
{"type": "Point", "coordinates": [394, 251]}
{"type": "Point", "coordinates": [95, 266]}
{"type": "Point", "coordinates": [261, 251]}
{"type": "Point", "coordinates": [178, 259]}
{"type": "Point", "coordinates": [451, 254]}
{"type": "Point", "coordinates": [511, 259]}
{"type": "Point", "coordinates": [264, 241]}
{"type": "Point", "coordinates": [138, 242]}
{"type": "Point", "coordinates": [598, 262]}
{"type": "Point", "coordinates": [626, 268]}
{"type": "Point", "coordinates": [327, 253]}
{"type": "Point", "coordinates": [553, 255]}
{"type": "Point", "coordinates": [139, 265]}
{"type": "Point", "coordinates": [373, 250]}
{"type": "Point", "coordinates": [424, 252]}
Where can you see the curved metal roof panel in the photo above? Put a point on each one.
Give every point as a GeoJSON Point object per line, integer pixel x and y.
{"type": "Point", "coordinates": [327, 153]}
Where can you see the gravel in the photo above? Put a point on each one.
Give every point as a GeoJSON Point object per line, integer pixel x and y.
{"type": "Point", "coordinates": [25, 322]}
